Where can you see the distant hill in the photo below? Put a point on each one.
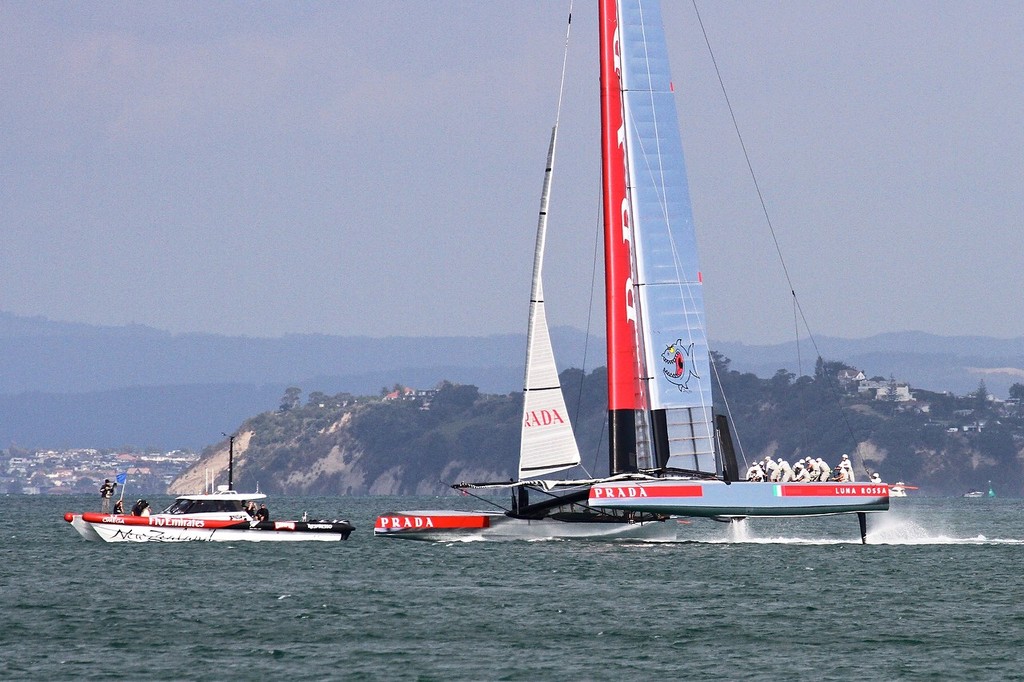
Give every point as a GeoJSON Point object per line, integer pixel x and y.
{"type": "Point", "coordinates": [91, 386]}
{"type": "Point", "coordinates": [56, 357]}
{"type": "Point", "coordinates": [938, 363]}
{"type": "Point", "coordinates": [334, 446]}
{"type": "Point", "coordinates": [68, 384]}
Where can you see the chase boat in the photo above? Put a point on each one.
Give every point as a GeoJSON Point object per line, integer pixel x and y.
{"type": "Point", "coordinates": [219, 516]}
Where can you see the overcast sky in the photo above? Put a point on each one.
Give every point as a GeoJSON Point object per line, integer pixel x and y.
{"type": "Point", "coordinates": [374, 168]}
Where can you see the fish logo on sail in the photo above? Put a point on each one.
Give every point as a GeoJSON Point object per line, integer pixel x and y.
{"type": "Point", "coordinates": [677, 357]}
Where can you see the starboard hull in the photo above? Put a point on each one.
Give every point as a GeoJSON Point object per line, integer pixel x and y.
{"type": "Point", "coordinates": [447, 525]}
{"type": "Point", "coordinates": [161, 528]}
{"type": "Point", "coordinates": [717, 499]}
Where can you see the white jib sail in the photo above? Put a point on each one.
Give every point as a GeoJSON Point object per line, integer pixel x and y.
{"type": "Point", "coordinates": [548, 442]}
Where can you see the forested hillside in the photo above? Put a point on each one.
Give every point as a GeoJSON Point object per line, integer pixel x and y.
{"type": "Point", "coordinates": [419, 444]}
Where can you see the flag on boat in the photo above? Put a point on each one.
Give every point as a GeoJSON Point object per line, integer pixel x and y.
{"type": "Point", "coordinates": [122, 478]}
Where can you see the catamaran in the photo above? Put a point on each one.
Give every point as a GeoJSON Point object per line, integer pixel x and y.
{"type": "Point", "coordinates": [661, 421]}
{"type": "Point", "coordinates": [669, 454]}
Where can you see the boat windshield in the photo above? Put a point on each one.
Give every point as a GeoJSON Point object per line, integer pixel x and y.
{"type": "Point", "coordinates": [186, 506]}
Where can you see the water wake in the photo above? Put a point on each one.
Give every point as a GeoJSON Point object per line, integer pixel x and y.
{"type": "Point", "coordinates": [900, 531]}
{"type": "Point", "coordinates": [887, 530]}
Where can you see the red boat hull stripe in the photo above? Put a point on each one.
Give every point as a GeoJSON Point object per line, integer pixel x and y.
{"type": "Point", "coordinates": [834, 490]}
{"type": "Point", "coordinates": [412, 522]}
{"type": "Point", "coordinates": [634, 492]}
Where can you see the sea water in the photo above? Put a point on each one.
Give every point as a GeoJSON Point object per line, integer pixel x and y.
{"type": "Point", "coordinates": [936, 595]}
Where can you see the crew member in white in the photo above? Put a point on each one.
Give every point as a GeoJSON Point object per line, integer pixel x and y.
{"type": "Point", "coordinates": [786, 474]}
{"type": "Point", "coordinates": [846, 467]}
{"type": "Point", "coordinates": [824, 470]}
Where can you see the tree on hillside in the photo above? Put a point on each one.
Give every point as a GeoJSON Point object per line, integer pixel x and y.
{"type": "Point", "coordinates": [1017, 391]}
{"type": "Point", "coordinates": [317, 399]}
{"type": "Point", "coordinates": [980, 396]}
{"type": "Point", "coordinates": [828, 370]}
{"type": "Point", "coordinates": [455, 396]}
{"type": "Point", "coordinates": [291, 398]}
{"type": "Point", "coordinates": [779, 385]}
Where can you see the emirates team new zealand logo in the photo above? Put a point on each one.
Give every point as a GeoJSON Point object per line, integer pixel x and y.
{"type": "Point", "coordinates": [678, 358]}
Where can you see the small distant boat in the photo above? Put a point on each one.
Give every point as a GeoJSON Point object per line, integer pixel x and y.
{"type": "Point", "coordinates": [978, 493]}
{"type": "Point", "coordinates": [899, 489]}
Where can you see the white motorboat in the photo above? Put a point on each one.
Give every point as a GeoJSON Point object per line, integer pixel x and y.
{"type": "Point", "coordinates": [212, 517]}
{"type": "Point", "coordinates": [899, 489]}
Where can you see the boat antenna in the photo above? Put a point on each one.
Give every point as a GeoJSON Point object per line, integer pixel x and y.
{"type": "Point", "coordinates": [231, 460]}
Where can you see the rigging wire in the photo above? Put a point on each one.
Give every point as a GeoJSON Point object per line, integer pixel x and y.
{"type": "Point", "coordinates": [586, 342]}
{"type": "Point", "coordinates": [595, 264]}
{"type": "Point", "coordinates": [797, 308]}
{"type": "Point", "coordinates": [590, 318]}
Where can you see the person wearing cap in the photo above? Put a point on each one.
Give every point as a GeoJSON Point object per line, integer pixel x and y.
{"type": "Point", "coordinates": [755, 473]}
{"type": "Point", "coordinates": [785, 471]}
{"type": "Point", "coordinates": [801, 474]}
{"type": "Point", "coordinates": [824, 470]}
{"type": "Point", "coordinates": [106, 492]}
{"type": "Point", "coordinates": [846, 469]}
{"type": "Point", "coordinates": [875, 478]}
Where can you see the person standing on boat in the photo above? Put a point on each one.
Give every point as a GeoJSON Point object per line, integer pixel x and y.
{"type": "Point", "coordinates": [824, 470]}
{"type": "Point", "coordinates": [106, 492]}
{"type": "Point", "coordinates": [771, 470]}
{"type": "Point", "coordinates": [846, 467]}
{"type": "Point", "coordinates": [785, 471]}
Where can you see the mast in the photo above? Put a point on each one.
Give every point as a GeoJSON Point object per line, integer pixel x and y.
{"type": "Point", "coordinates": [624, 397]}
{"type": "Point", "coordinates": [231, 462]}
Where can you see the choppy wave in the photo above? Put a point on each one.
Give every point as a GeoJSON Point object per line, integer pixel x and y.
{"type": "Point", "coordinates": [933, 596]}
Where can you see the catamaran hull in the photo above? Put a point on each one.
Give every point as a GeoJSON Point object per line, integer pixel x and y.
{"type": "Point", "coordinates": [446, 525]}
{"type": "Point", "coordinates": [717, 499]}
{"type": "Point", "coordinates": [117, 528]}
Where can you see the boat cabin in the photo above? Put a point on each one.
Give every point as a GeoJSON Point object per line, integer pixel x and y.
{"type": "Point", "coordinates": [229, 501]}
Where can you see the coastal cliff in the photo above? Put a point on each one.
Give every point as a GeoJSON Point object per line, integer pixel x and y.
{"type": "Point", "coordinates": [418, 443]}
